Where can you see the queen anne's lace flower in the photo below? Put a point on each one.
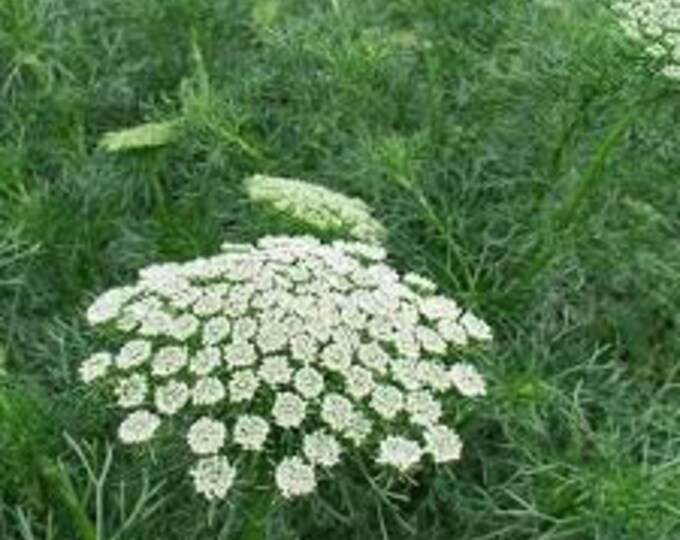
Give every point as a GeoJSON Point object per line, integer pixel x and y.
{"type": "Point", "coordinates": [475, 327]}
{"type": "Point", "coordinates": [133, 354]}
{"type": "Point", "coordinates": [433, 375]}
{"type": "Point", "coordinates": [216, 330]}
{"type": "Point", "coordinates": [406, 372]}
{"type": "Point", "coordinates": [242, 386]}
{"type": "Point", "coordinates": [309, 382]}
{"type": "Point", "coordinates": [131, 391]}
{"type": "Point", "coordinates": [443, 444]}
{"type": "Point", "coordinates": [304, 348]}
{"type": "Point", "coordinates": [359, 382]}
{"type": "Point", "coordinates": [419, 282]}
{"type": "Point", "coordinates": [107, 307]}
{"type": "Point", "coordinates": [467, 380]}
{"type": "Point", "coordinates": [206, 436]}
{"type": "Point", "coordinates": [373, 356]}
{"type": "Point", "coordinates": [322, 347]}
{"type": "Point", "coordinates": [289, 410]}
{"type": "Point", "coordinates": [169, 360]}
{"type": "Point", "coordinates": [655, 24]}
{"type": "Point", "coordinates": [213, 477]}
{"type": "Point", "coordinates": [387, 401]}
{"type": "Point", "coordinates": [171, 397]}
{"type": "Point", "coordinates": [250, 432]}
{"type": "Point", "coordinates": [205, 361]}
{"type": "Point", "coordinates": [337, 411]}
{"type": "Point", "coordinates": [244, 329]}
{"type": "Point", "coordinates": [138, 427]}
{"type": "Point", "coordinates": [317, 206]}
{"type": "Point", "coordinates": [240, 354]}
{"type": "Point", "coordinates": [423, 408]}
{"type": "Point", "coordinates": [208, 391]}
{"type": "Point", "coordinates": [95, 367]}
{"type": "Point", "coordinates": [452, 331]}
{"type": "Point", "coordinates": [294, 477]}
{"type": "Point", "coordinates": [275, 370]}
{"type": "Point", "coordinates": [322, 449]}
{"type": "Point", "coordinates": [399, 452]}
{"type": "Point", "coordinates": [359, 429]}
{"type": "Point", "coordinates": [183, 327]}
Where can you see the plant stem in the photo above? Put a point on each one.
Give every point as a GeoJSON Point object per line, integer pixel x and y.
{"type": "Point", "coordinates": [564, 218]}
{"type": "Point", "coordinates": [257, 511]}
{"type": "Point", "coordinates": [61, 488]}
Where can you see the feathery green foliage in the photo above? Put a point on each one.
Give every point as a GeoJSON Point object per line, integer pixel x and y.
{"type": "Point", "coordinates": [522, 154]}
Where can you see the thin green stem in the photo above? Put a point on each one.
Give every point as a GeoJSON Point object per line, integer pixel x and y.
{"type": "Point", "coordinates": [60, 487]}
{"type": "Point", "coordinates": [454, 248]}
{"type": "Point", "coordinates": [565, 217]}
{"type": "Point", "coordinates": [258, 507]}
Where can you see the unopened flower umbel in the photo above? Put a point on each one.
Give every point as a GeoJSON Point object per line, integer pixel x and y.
{"type": "Point", "coordinates": [322, 208]}
{"type": "Point", "coordinates": [323, 346]}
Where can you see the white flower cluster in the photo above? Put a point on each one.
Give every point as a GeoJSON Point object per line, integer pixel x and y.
{"type": "Point", "coordinates": [288, 340]}
{"type": "Point", "coordinates": [317, 206]}
{"type": "Point", "coordinates": [655, 23]}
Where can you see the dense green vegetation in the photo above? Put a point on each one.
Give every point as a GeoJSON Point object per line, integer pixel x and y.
{"type": "Point", "coordinates": [521, 153]}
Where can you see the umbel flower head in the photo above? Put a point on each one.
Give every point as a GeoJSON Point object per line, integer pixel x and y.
{"type": "Point", "coordinates": [316, 206]}
{"type": "Point", "coordinates": [656, 24]}
{"type": "Point", "coordinates": [301, 350]}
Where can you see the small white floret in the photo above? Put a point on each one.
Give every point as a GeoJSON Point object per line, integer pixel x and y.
{"type": "Point", "coordinates": [138, 427]}
{"type": "Point", "coordinates": [309, 382]}
{"type": "Point", "coordinates": [216, 330]}
{"type": "Point", "coordinates": [475, 327]}
{"type": "Point", "coordinates": [275, 370]}
{"type": "Point", "coordinates": [171, 397]}
{"type": "Point", "coordinates": [213, 477]}
{"type": "Point", "coordinates": [169, 360]}
{"type": "Point", "coordinates": [399, 452]}
{"type": "Point", "coordinates": [205, 361]}
{"type": "Point", "coordinates": [295, 478]}
{"type": "Point", "coordinates": [467, 380]}
{"type": "Point", "coordinates": [337, 411]}
{"type": "Point", "coordinates": [443, 444]}
{"type": "Point", "coordinates": [134, 353]}
{"type": "Point", "coordinates": [387, 401]}
{"type": "Point", "coordinates": [250, 432]}
{"type": "Point", "coordinates": [208, 391]}
{"type": "Point", "coordinates": [131, 391]}
{"type": "Point", "coordinates": [95, 367]}
{"type": "Point", "coordinates": [423, 408]}
{"type": "Point", "coordinates": [243, 385]}
{"type": "Point", "coordinates": [322, 449]}
{"type": "Point", "coordinates": [206, 436]}
{"type": "Point", "coordinates": [289, 410]}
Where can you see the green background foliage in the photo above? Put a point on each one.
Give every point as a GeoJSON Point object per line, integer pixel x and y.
{"type": "Point", "coordinates": [521, 153]}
